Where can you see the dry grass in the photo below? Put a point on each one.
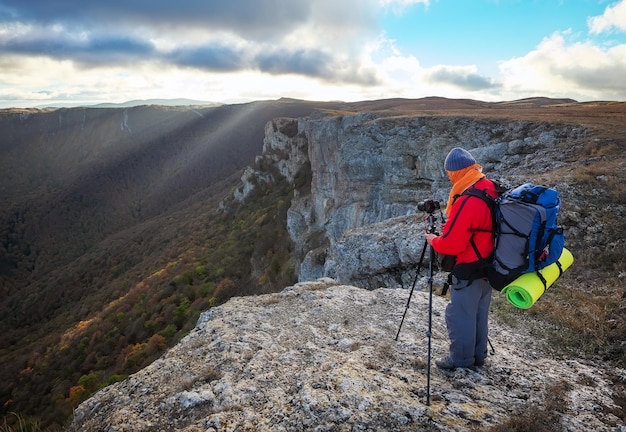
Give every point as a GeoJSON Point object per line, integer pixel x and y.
{"type": "Point", "coordinates": [586, 322]}
{"type": "Point", "coordinates": [544, 417]}
{"type": "Point", "coordinates": [19, 423]}
{"type": "Point", "coordinates": [606, 176]}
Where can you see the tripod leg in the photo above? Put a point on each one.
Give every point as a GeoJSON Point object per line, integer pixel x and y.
{"type": "Point", "coordinates": [430, 322]}
{"type": "Point", "coordinates": [431, 220]}
{"type": "Point", "coordinates": [419, 267]}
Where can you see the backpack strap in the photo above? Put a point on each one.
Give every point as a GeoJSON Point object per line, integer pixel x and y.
{"type": "Point", "coordinates": [543, 280]}
{"type": "Point", "coordinates": [488, 199]}
{"type": "Point", "coordinates": [491, 203]}
{"type": "Point", "coordinates": [560, 266]}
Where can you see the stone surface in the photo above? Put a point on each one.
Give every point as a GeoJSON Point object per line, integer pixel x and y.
{"type": "Point", "coordinates": [322, 356]}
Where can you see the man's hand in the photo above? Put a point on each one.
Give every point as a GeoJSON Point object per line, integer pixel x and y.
{"type": "Point", "coordinates": [429, 238]}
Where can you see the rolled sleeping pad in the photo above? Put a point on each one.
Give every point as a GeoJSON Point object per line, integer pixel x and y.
{"type": "Point", "coordinates": [524, 291]}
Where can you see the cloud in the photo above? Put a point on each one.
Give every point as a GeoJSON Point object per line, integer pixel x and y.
{"type": "Point", "coordinates": [217, 57]}
{"type": "Point", "coordinates": [584, 69]}
{"type": "Point", "coordinates": [462, 77]}
{"type": "Point", "coordinates": [314, 63]}
{"type": "Point", "coordinates": [559, 67]}
{"type": "Point", "coordinates": [109, 49]}
{"type": "Point", "coordinates": [304, 62]}
{"type": "Point", "coordinates": [246, 17]}
{"type": "Point", "coordinates": [309, 62]}
{"type": "Point", "coordinates": [315, 39]}
{"type": "Point", "coordinates": [614, 17]}
{"type": "Point", "coordinates": [252, 20]}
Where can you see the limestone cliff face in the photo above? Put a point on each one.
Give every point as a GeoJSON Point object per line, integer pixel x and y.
{"type": "Point", "coordinates": [367, 169]}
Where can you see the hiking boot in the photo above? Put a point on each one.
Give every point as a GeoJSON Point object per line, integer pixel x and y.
{"type": "Point", "coordinates": [446, 364]}
{"type": "Point", "coordinates": [479, 362]}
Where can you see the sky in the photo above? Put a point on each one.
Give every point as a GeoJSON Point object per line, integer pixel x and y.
{"type": "Point", "coordinates": [70, 52]}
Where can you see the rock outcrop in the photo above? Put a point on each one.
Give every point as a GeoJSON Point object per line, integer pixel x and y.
{"type": "Point", "coordinates": [364, 169]}
{"type": "Point", "coordinates": [322, 356]}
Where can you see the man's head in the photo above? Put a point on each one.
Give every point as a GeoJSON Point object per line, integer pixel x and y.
{"type": "Point", "coordinates": [458, 159]}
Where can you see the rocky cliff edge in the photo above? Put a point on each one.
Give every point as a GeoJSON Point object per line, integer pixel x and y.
{"type": "Point", "coordinates": [323, 356]}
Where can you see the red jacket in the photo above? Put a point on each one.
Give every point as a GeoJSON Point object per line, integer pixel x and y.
{"type": "Point", "coordinates": [470, 217]}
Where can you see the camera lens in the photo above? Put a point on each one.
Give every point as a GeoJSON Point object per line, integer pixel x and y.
{"type": "Point", "coordinates": [428, 206]}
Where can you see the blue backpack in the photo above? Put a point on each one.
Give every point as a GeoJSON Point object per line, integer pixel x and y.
{"type": "Point", "coordinates": [527, 235]}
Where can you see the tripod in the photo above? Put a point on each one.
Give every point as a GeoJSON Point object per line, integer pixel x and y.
{"type": "Point", "coordinates": [431, 229]}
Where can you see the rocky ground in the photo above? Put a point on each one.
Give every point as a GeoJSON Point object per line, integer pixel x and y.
{"type": "Point", "coordinates": [322, 356]}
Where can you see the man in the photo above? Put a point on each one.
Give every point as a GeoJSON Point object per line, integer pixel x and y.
{"type": "Point", "coordinates": [468, 236]}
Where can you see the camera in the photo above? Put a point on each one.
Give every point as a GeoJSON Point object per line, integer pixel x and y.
{"type": "Point", "coordinates": [428, 206]}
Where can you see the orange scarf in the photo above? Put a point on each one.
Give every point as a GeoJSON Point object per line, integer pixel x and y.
{"type": "Point", "coordinates": [461, 180]}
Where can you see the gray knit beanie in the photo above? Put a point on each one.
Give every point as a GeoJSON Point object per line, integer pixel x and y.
{"type": "Point", "coordinates": [458, 159]}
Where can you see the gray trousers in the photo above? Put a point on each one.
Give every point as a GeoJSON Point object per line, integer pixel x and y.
{"type": "Point", "coordinates": [467, 317]}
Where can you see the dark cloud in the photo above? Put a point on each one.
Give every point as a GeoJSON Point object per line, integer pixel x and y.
{"type": "Point", "coordinates": [222, 58]}
{"type": "Point", "coordinates": [314, 63]}
{"type": "Point", "coordinates": [252, 18]}
{"type": "Point", "coordinates": [461, 79]}
{"type": "Point", "coordinates": [603, 78]}
{"type": "Point", "coordinates": [105, 50]}
{"type": "Point", "coordinates": [96, 32]}
{"type": "Point", "coordinates": [302, 62]}
{"type": "Point", "coordinates": [218, 58]}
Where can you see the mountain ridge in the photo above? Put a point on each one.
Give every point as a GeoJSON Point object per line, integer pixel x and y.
{"type": "Point", "coordinates": [132, 103]}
